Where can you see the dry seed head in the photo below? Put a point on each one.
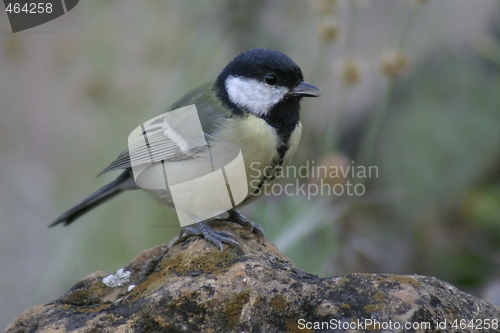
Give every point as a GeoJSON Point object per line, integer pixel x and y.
{"type": "Point", "coordinates": [394, 63]}
{"type": "Point", "coordinates": [333, 164]}
{"type": "Point", "coordinates": [350, 72]}
{"type": "Point", "coordinates": [328, 31]}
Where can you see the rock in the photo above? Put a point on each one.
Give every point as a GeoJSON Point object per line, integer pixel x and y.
{"type": "Point", "coordinates": [193, 287]}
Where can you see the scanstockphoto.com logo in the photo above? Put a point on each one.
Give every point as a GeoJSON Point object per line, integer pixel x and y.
{"type": "Point", "coordinates": [24, 14]}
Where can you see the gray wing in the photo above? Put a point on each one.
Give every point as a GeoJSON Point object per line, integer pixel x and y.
{"type": "Point", "coordinates": [168, 138]}
{"type": "Point", "coordinates": [156, 142]}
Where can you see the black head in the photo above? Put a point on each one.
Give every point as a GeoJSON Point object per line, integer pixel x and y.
{"type": "Point", "coordinates": [259, 80]}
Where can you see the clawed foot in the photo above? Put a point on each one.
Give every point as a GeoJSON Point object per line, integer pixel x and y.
{"type": "Point", "coordinates": [213, 236]}
{"type": "Point", "coordinates": [236, 217]}
{"type": "Point", "coordinates": [218, 238]}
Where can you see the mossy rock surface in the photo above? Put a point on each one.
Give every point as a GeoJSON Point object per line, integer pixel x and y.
{"type": "Point", "coordinates": [193, 287]}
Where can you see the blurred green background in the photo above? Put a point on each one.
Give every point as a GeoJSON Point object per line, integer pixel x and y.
{"type": "Point", "coordinates": [409, 86]}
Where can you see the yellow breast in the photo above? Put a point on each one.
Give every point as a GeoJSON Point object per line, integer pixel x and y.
{"type": "Point", "coordinates": [259, 144]}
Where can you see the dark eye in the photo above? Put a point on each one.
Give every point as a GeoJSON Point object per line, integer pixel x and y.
{"type": "Point", "coordinates": [271, 79]}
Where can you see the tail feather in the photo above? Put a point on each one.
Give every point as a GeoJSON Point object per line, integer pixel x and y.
{"type": "Point", "coordinates": [95, 199]}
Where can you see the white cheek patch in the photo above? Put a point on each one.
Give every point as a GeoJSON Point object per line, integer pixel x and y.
{"type": "Point", "coordinates": [257, 97]}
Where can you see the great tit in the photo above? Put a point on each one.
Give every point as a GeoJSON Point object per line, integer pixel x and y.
{"type": "Point", "coordinates": [254, 104]}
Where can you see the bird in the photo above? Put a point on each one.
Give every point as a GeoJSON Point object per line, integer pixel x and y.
{"type": "Point", "coordinates": [254, 104]}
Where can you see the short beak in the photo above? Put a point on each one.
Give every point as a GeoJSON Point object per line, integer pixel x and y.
{"type": "Point", "coordinates": [305, 89]}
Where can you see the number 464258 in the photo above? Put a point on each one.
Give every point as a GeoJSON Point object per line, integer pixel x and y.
{"type": "Point", "coordinates": [29, 8]}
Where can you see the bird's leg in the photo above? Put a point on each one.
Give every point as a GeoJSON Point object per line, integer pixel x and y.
{"type": "Point", "coordinates": [216, 237]}
{"type": "Point", "coordinates": [236, 217]}
{"type": "Point", "coordinates": [204, 230]}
